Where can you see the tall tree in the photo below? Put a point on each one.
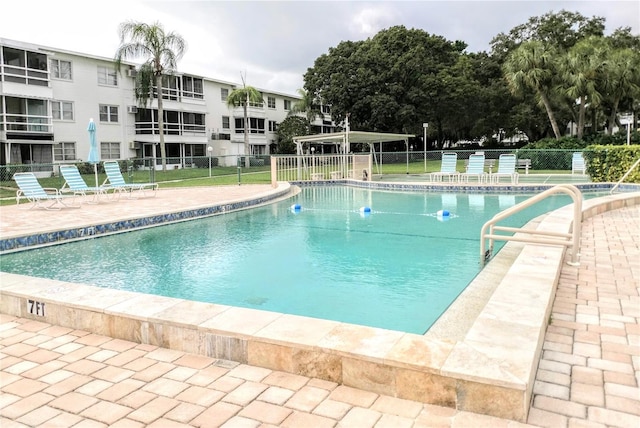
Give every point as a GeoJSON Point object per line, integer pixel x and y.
{"type": "Point", "coordinates": [531, 66]}
{"type": "Point", "coordinates": [244, 97]}
{"type": "Point", "coordinates": [392, 82]}
{"type": "Point", "coordinates": [292, 126]}
{"type": "Point", "coordinates": [621, 78]}
{"type": "Point", "coordinates": [161, 52]}
{"type": "Point", "coordinates": [307, 105]}
{"type": "Point", "coordinates": [561, 30]}
{"type": "Point", "coordinates": [580, 70]}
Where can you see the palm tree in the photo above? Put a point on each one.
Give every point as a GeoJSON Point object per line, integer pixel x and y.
{"type": "Point", "coordinates": [621, 79]}
{"type": "Point", "coordinates": [580, 70]}
{"type": "Point", "coordinates": [244, 97]}
{"type": "Point", "coordinates": [306, 105]}
{"type": "Point", "coordinates": [532, 66]}
{"type": "Point", "coordinates": [161, 52]}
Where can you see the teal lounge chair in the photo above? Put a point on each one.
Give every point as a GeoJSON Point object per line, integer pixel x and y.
{"type": "Point", "coordinates": [578, 164]}
{"type": "Point", "coordinates": [475, 168]}
{"type": "Point", "coordinates": [447, 168]}
{"type": "Point", "coordinates": [115, 181]}
{"type": "Point", "coordinates": [506, 168]}
{"type": "Point", "coordinates": [30, 189]}
{"type": "Point", "coordinates": [74, 183]}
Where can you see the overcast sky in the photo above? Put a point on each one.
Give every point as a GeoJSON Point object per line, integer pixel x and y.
{"type": "Point", "coordinates": [274, 42]}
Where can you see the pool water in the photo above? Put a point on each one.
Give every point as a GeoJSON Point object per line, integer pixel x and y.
{"type": "Point", "coordinates": [398, 267]}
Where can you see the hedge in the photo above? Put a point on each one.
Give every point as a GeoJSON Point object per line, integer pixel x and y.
{"type": "Point", "coordinates": [610, 163]}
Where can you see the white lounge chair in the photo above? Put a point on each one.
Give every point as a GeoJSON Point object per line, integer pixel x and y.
{"type": "Point", "coordinates": [115, 181]}
{"type": "Point", "coordinates": [74, 183]}
{"type": "Point", "coordinates": [578, 163]}
{"type": "Point", "coordinates": [506, 168]}
{"type": "Point", "coordinates": [475, 168]}
{"type": "Point", "coordinates": [447, 168]}
{"type": "Point", "coordinates": [30, 189]}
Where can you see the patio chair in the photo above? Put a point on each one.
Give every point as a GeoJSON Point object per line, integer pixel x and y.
{"type": "Point", "coordinates": [578, 163]}
{"type": "Point", "coordinates": [506, 168]}
{"type": "Point", "coordinates": [30, 189]}
{"type": "Point", "coordinates": [74, 183]}
{"type": "Point", "coordinates": [475, 168]}
{"type": "Point", "coordinates": [447, 168]}
{"type": "Point", "coordinates": [115, 181]}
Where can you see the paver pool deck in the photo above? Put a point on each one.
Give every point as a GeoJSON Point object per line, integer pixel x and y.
{"type": "Point", "coordinates": [57, 376]}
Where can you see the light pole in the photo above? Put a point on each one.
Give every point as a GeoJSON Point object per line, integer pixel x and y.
{"type": "Point", "coordinates": [209, 151]}
{"type": "Point", "coordinates": [627, 119]}
{"type": "Point", "coordinates": [425, 125]}
{"type": "Point", "coordinates": [313, 162]}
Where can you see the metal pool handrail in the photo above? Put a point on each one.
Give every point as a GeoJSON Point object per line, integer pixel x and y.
{"type": "Point", "coordinates": [626, 174]}
{"type": "Point", "coordinates": [543, 237]}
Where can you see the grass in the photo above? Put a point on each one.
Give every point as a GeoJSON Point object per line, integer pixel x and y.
{"type": "Point", "coordinates": [224, 176]}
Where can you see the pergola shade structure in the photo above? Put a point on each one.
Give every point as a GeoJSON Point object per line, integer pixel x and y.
{"type": "Point", "coordinates": [344, 139]}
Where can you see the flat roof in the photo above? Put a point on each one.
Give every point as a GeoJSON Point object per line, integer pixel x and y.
{"type": "Point", "coordinates": [354, 137]}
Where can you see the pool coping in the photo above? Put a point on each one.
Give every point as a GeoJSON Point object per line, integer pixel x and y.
{"type": "Point", "coordinates": [490, 371]}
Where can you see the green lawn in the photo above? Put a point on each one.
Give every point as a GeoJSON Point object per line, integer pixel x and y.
{"type": "Point", "coordinates": [188, 177]}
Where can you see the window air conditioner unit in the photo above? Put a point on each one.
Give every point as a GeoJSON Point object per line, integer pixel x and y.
{"type": "Point", "coordinates": [132, 72]}
{"type": "Point", "coordinates": [132, 109]}
{"type": "Point", "coordinates": [133, 145]}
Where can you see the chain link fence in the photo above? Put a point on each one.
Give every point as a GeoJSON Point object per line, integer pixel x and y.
{"type": "Point", "coordinates": [257, 168]}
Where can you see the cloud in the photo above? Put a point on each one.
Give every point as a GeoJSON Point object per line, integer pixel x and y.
{"type": "Point", "coordinates": [370, 20]}
{"type": "Point", "coordinates": [275, 42]}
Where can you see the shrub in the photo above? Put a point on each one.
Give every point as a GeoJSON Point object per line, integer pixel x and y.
{"type": "Point", "coordinates": [609, 163]}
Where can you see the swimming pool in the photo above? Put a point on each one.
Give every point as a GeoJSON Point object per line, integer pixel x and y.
{"type": "Point", "coordinates": [398, 268]}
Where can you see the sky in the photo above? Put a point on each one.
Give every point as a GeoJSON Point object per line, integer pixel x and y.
{"type": "Point", "coordinates": [271, 44]}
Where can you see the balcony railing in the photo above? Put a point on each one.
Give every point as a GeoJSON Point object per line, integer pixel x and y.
{"type": "Point", "coordinates": [148, 128]}
{"type": "Point", "coordinates": [27, 123]}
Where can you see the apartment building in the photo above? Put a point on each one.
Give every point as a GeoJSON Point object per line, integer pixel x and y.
{"type": "Point", "coordinates": [49, 95]}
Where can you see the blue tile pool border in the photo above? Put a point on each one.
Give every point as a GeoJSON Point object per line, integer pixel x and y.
{"type": "Point", "coordinates": [21, 243]}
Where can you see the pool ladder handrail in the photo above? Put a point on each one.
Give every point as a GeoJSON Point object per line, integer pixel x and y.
{"type": "Point", "coordinates": [548, 238]}
{"type": "Point", "coordinates": [626, 174]}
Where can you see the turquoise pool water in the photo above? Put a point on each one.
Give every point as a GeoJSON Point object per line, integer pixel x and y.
{"type": "Point", "coordinates": [398, 268]}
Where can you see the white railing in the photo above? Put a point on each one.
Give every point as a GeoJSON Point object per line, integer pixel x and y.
{"type": "Point", "coordinates": [535, 236]}
{"type": "Point", "coordinates": [319, 167]}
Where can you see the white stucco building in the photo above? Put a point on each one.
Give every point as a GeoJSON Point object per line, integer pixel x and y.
{"type": "Point", "coordinates": [48, 95]}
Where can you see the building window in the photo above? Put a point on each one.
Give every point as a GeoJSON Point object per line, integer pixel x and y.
{"type": "Point", "coordinates": [25, 67]}
{"type": "Point", "coordinates": [193, 123]}
{"type": "Point", "coordinates": [226, 124]}
{"type": "Point", "coordinates": [62, 110]}
{"type": "Point", "coordinates": [192, 87]}
{"type": "Point", "coordinates": [287, 104]}
{"type": "Point", "coordinates": [60, 69]}
{"type": "Point", "coordinates": [271, 102]}
{"type": "Point", "coordinates": [256, 126]}
{"type": "Point", "coordinates": [326, 109]}
{"type": "Point", "coordinates": [107, 76]}
{"type": "Point", "coordinates": [64, 151]}
{"type": "Point", "coordinates": [108, 113]}
{"type": "Point", "coordinates": [273, 126]}
{"type": "Point", "coordinates": [224, 94]}
{"type": "Point", "coordinates": [110, 150]}
{"type": "Point", "coordinates": [169, 88]}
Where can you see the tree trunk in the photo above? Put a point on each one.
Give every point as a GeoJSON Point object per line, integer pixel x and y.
{"type": "Point", "coordinates": [612, 117]}
{"type": "Point", "coordinates": [581, 113]}
{"type": "Point", "coordinates": [163, 150]}
{"type": "Point", "coordinates": [552, 118]}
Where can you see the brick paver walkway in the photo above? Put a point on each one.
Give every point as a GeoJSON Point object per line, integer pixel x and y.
{"type": "Point", "coordinates": [57, 377]}
{"type": "Point", "coordinates": [590, 368]}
